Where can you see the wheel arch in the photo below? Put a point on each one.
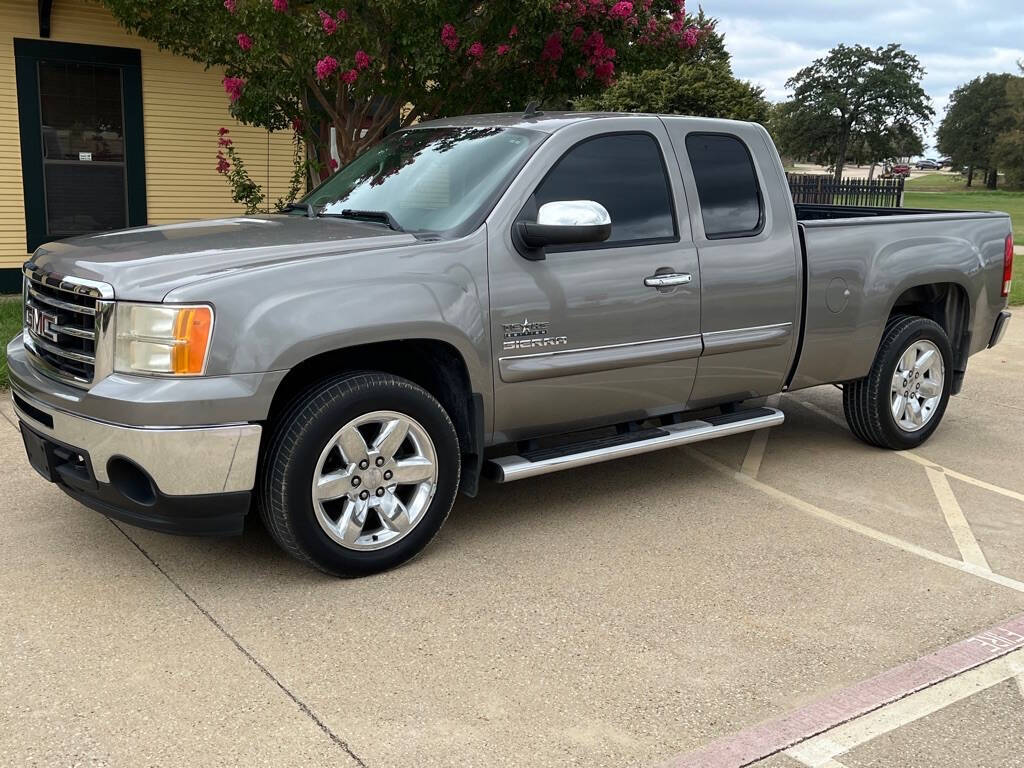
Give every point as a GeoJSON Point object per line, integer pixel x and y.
{"type": "Point", "coordinates": [948, 304]}
{"type": "Point", "coordinates": [435, 365]}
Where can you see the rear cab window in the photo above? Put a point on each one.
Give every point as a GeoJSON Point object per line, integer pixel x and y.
{"type": "Point", "coordinates": [731, 204]}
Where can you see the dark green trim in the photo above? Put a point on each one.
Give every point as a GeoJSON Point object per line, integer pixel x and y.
{"type": "Point", "coordinates": [27, 55]}
{"type": "Point", "coordinates": [89, 54]}
{"type": "Point", "coordinates": [10, 280]}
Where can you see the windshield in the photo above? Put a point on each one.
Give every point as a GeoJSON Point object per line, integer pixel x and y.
{"type": "Point", "coordinates": [433, 179]}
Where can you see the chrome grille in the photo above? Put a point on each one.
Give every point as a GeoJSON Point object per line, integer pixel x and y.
{"type": "Point", "coordinates": [65, 320]}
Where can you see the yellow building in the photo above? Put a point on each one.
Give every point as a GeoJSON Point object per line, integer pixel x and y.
{"type": "Point", "coordinates": [99, 130]}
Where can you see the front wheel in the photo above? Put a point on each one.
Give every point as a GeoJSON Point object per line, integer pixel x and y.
{"type": "Point", "coordinates": [904, 396]}
{"type": "Point", "coordinates": [359, 474]}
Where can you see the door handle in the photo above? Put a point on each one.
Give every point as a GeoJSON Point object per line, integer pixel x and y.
{"type": "Point", "coordinates": [668, 280]}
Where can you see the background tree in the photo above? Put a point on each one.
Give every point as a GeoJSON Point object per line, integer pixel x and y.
{"type": "Point", "coordinates": [361, 66]}
{"type": "Point", "coordinates": [854, 94]}
{"type": "Point", "coordinates": [968, 132]}
{"type": "Point", "coordinates": [701, 83]}
{"type": "Point", "coordinates": [1009, 145]}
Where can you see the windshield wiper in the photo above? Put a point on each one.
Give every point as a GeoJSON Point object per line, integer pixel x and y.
{"type": "Point", "coordinates": [308, 208]}
{"type": "Point", "coordinates": [382, 217]}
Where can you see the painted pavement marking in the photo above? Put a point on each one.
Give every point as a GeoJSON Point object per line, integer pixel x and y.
{"type": "Point", "coordinates": [850, 525]}
{"type": "Point", "coordinates": [911, 456]}
{"type": "Point", "coordinates": [958, 525]}
{"type": "Point", "coordinates": [848, 704]}
{"type": "Point", "coordinates": [758, 442]}
{"type": "Point", "coordinates": [821, 751]}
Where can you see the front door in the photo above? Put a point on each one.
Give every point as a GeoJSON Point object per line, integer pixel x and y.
{"type": "Point", "coordinates": [586, 336]}
{"type": "Point", "coordinates": [80, 114]}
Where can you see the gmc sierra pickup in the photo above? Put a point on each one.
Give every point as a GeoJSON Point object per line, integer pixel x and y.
{"type": "Point", "coordinates": [499, 295]}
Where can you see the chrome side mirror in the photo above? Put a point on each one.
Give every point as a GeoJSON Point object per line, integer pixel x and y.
{"type": "Point", "coordinates": [563, 222]}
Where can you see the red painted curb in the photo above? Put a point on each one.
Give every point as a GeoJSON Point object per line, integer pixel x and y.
{"type": "Point", "coordinates": [763, 740]}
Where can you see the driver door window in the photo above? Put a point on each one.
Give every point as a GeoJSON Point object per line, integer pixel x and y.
{"type": "Point", "coordinates": [626, 174]}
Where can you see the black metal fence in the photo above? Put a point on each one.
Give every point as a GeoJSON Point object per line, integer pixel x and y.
{"type": "Point", "coordinates": [824, 190]}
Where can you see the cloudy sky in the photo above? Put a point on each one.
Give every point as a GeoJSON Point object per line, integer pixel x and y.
{"type": "Point", "coordinates": [955, 40]}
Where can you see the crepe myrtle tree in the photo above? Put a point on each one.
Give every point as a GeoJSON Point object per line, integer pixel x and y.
{"type": "Point", "coordinates": [362, 67]}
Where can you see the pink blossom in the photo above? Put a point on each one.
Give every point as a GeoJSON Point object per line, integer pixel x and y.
{"type": "Point", "coordinates": [223, 141]}
{"type": "Point", "coordinates": [690, 37]}
{"type": "Point", "coordinates": [553, 50]}
{"type": "Point", "coordinates": [514, 32]}
{"type": "Point", "coordinates": [476, 50]}
{"type": "Point", "coordinates": [326, 67]}
{"type": "Point", "coordinates": [652, 25]}
{"type": "Point", "coordinates": [244, 41]}
{"type": "Point", "coordinates": [230, 5]}
{"type": "Point", "coordinates": [333, 163]}
{"type": "Point", "coordinates": [233, 86]}
{"type": "Point", "coordinates": [502, 49]}
{"type": "Point", "coordinates": [582, 73]}
{"type": "Point", "coordinates": [223, 166]}
{"type": "Point", "coordinates": [621, 10]}
{"type": "Point", "coordinates": [449, 38]}
{"type": "Point", "coordinates": [604, 71]}
{"type": "Point", "coordinates": [329, 24]}
{"type": "Point", "coordinates": [342, 16]}
{"type": "Point", "coordinates": [297, 124]}
{"type": "Point", "coordinates": [349, 76]}
{"type": "Point", "coordinates": [280, 5]}
{"type": "Point", "coordinates": [578, 34]}
{"type": "Point", "coordinates": [222, 130]}
{"type": "Point", "coordinates": [362, 59]}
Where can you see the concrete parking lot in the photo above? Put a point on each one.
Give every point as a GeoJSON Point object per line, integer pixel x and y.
{"type": "Point", "coordinates": [791, 598]}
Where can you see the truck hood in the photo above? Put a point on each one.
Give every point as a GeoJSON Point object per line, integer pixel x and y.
{"type": "Point", "coordinates": [145, 263]}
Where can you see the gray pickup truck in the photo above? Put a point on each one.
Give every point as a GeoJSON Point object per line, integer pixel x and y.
{"type": "Point", "coordinates": [500, 295]}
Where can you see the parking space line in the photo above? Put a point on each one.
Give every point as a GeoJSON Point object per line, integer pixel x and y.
{"type": "Point", "coordinates": [758, 442]}
{"type": "Point", "coordinates": [819, 724]}
{"type": "Point", "coordinates": [850, 525]}
{"type": "Point", "coordinates": [821, 751]}
{"type": "Point", "coordinates": [917, 458]}
{"type": "Point", "coordinates": [958, 525]}
{"type": "Point", "coordinates": [1020, 685]}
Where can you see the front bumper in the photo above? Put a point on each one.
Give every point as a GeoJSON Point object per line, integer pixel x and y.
{"type": "Point", "coordinates": [192, 480]}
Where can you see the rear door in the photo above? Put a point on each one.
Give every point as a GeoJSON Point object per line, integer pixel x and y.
{"type": "Point", "coordinates": [751, 274]}
{"type": "Point", "coordinates": [579, 339]}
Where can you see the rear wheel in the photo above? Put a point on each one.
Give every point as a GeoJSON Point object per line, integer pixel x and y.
{"type": "Point", "coordinates": [359, 474]}
{"type": "Point", "coordinates": [904, 396]}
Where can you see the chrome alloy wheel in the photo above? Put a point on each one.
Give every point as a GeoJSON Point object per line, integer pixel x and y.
{"type": "Point", "coordinates": [917, 385]}
{"type": "Point", "coordinates": [374, 480]}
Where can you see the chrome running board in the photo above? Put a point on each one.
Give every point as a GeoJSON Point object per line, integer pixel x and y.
{"type": "Point", "coordinates": [505, 469]}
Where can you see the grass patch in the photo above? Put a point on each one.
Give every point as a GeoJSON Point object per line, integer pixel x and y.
{"type": "Point", "coordinates": [948, 192]}
{"type": "Point", "coordinates": [10, 326]}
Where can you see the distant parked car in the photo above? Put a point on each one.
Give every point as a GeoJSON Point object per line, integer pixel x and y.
{"type": "Point", "coordinates": [928, 165]}
{"type": "Point", "coordinates": [946, 162]}
{"type": "Point", "coordinates": [893, 170]}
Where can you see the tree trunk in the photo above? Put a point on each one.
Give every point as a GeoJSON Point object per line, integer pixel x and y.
{"type": "Point", "coordinates": [970, 174]}
{"type": "Point", "coordinates": [993, 178]}
{"type": "Point", "coordinates": [871, 171]}
{"type": "Point", "coordinates": [844, 141]}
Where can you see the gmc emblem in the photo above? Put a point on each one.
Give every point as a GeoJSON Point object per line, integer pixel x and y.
{"type": "Point", "coordinates": [41, 323]}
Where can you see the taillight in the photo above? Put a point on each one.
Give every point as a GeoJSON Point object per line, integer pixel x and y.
{"type": "Point", "coordinates": [1008, 265]}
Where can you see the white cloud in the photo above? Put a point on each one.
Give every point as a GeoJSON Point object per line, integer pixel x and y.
{"type": "Point", "coordinates": [955, 40]}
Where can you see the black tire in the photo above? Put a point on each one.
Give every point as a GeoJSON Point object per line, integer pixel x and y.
{"type": "Point", "coordinates": [293, 450]}
{"type": "Point", "coordinates": [866, 402]}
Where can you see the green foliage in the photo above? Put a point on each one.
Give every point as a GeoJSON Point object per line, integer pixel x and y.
{"type": "Point", "coordinates": [11, 320]}
{"type": "Point", "coordinates": [858, 102]}
{"type": "Point", "coordinates": [704, 88]}
{"type": "Point", "coordinates": [364, 67]}
{"type": "Point", "coordinates": [978, 114]}
{"type": "Point", "coordinates": [1009, 145]}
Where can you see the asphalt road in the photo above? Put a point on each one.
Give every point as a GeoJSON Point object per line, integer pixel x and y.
{"type": "Point", "coordinates": [622, 614]}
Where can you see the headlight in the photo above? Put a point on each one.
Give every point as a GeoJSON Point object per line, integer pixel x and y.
{"type": "Point", "coordinates": [162, 338]}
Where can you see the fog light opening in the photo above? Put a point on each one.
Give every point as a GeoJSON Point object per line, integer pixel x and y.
{"type": "Point", "coordinates": [131, 481]}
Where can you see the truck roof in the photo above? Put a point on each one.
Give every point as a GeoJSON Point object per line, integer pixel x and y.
{"type": "Point", "coordinates": [547, 122]}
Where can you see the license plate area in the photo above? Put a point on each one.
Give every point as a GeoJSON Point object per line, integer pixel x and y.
{"type": "Point", "coordinates": [57, 462]}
